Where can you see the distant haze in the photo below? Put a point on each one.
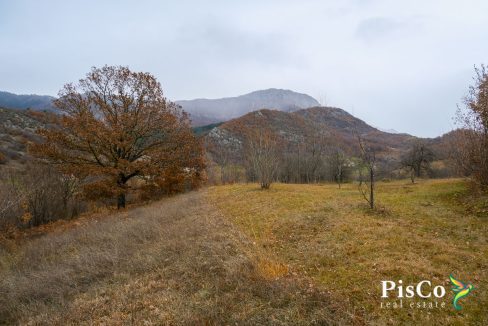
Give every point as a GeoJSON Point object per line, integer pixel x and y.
{"type": "Point", "coordinates": [36, 102]}
{"type": "Point", "coordinates": [400, 65]}
{"type": "Point", "coordinates": [205, 111]}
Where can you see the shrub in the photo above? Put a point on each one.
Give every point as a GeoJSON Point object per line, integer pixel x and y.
{"type": "Point", "coordinates": [37, 195]}
{"type": "Point", "coordinates": [10, 208]}
{"type": "Point", "coordinates": [3, 159]}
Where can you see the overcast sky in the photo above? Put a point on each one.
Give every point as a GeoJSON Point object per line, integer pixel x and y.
{"type": "Point", "coordinates": [400, 65]}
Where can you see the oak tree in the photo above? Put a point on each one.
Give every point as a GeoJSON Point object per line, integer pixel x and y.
{"type": "Point", "coordinates": [115, 125]}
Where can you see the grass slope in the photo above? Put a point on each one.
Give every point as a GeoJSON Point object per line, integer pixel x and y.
{"type": "Point", "coordinates": [176, 262]}
{"type": "Point", "coordinates": [297, 254]}
{"type": "Point", "coordinates": [327, 234]}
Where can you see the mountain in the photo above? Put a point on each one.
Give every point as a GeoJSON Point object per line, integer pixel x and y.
{"type": "Point", "coordinates": [207, 111]}
{"type": "Point", "coordinates": [34, 102]}
{"type": "Point", "coordinates": [202, 111]}
{"type": "Point", "coordinates": [332, 126]}
{"type": "Point", "coordinates": [347, 126]}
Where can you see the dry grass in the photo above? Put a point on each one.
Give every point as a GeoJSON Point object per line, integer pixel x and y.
{"type": "Point", "coordinates": [297, 254]}
{"type": "Point", "coordinates": [174, 262]}
{"type": "Point", "coordinates": [421, 232]}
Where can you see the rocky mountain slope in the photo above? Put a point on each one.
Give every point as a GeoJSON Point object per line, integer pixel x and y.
{"type": "Point", "coordinates": [33, 102]}
{"type": "Point", "coordinates": [331, 126]}
{"type": "Point", "coordinates": [207, 111]}
{"type": "Point", "coordinates": [17, 130]}
{"type": "Point", "coordinates": [295, 117]}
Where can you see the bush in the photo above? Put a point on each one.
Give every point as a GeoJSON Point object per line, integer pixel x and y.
{"type": "Point", "coordinates": [37, 195]}
{"type": "Point", "coordinates": [3, 159]}
{"type": "Point", "coordinates": [10, 206]}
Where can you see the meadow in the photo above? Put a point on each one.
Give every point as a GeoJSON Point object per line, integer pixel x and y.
{"type": "Point", "coordinates": [422, 231]}
{"type": "Point", "coordinates": [292, 255]}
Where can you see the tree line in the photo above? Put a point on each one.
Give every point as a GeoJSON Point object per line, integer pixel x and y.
{"type": "Point", "coordinates": [118, 136]}
{"type": "Point", "coordinates": [313, 159]}
{"type": "Point", "coordinates": [265, 157]}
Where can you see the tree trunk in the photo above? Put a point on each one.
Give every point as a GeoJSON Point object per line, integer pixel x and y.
{"type": "Point", "coordinates": [121, 196]}
{"type": "Point", "coordinates": [339, 176]}
{"type": "Point", "coordinates": [371, 191]}
{"type": "Point", "coordinates": [121, 200]}
{"type": "Point", "coordinates": [418, 170]}
{"type": "Point", "coordinates": [299, 177]}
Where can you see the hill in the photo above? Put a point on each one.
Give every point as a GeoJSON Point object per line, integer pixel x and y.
{"type": "Point", "coordinates": [203, 130]}
{"type": "Point", "coordinates": [33, 102]}
{"type": "Point", "coordinates": [207, 111]}
{"type": "Point", "coordinates": [287, 119]}
{"type": "Point", "coordinates": [17, 130]}
{"type": "Point", "coordinates": [333, 126]}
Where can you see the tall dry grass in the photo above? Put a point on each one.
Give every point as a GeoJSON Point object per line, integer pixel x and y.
{"type": "Point", "coordinates": [174, 262]}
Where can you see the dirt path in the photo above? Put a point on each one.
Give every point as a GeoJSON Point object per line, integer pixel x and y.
{"type": "Point", "coordinates": [173, 262]}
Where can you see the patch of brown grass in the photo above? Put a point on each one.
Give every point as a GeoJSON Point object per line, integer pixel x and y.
{"type": "Point", "coordinates": [177, 261]}
{"type": "Point", "coordinates": [330, 236]}
{"type": "Point", "coordinates": [271, 270]}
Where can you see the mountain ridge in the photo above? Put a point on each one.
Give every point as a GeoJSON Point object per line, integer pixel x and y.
{"type": "Point", "coordinates": [332, 126]}
{"type": "Point", "coordinates": [206, 111]}
{"type": "Point", "coordinates": [273, 98]}
{"type": "Point", "coordinates": [27, 101]}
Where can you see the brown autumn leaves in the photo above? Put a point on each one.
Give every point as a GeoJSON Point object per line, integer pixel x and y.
{"type": "Point", "coordinates": [116, 125]}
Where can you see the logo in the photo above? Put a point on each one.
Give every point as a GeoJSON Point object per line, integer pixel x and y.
{"type": "Point", "coordinates": [460, 291]}
{"type": "Point", "coordinates": [423, 295]}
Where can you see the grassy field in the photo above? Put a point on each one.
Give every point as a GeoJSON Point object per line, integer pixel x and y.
{"type": "Point", "coordinates": [225, 255]}
{"type": "Point", "coordinates": [421, 231]}
{"type": "Point", "coordinates": [175, 262]}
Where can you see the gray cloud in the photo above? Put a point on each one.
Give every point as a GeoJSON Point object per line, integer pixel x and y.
{"type": "Point", "coordinates": [400, 65]}
{"type": "Point", "coordinates": [231, 44]}
{"type": "Point", "coordinates": [377, 27]}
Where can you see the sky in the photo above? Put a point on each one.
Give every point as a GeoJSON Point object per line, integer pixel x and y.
{"type": "Point", "coordinates": [402, 65]}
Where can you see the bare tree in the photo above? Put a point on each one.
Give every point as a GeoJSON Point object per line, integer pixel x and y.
{"type": "Point", "coordinates": [368, 158]}
{"type": "Point", "coordinates": [417, 159]}
{"type": "Point", "coordinates": [221, 154]}
{"type": "Point", "coordinates": [339, 165]}
{"type": "Point", "coordinates": [310, 157]}
{"type": "Point", "coordinates": [471, 148]}
{"type": "Point", "coordinates": [263, 155]}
